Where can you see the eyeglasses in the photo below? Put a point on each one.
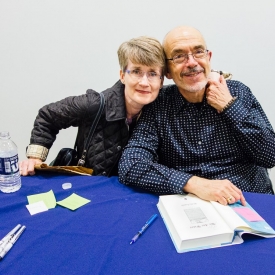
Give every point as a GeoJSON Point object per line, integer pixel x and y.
{"type": "Point", "coordinates": [138, 75]}
{"type": "Point", "coordinates": [183, 57]}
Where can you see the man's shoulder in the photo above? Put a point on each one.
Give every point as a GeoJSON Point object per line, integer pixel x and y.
{"type": "Point", "coordinates": [168, 89]}
{"type": "Point", "coordinates": [165, 96]}
{"type": "Point", "coordinates": [235, 84]}
{"type": "Point", "coordinates": [167, 92]}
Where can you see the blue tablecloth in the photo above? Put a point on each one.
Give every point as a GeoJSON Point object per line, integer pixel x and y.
{"type": "Point", "coordinates": [94, 239]}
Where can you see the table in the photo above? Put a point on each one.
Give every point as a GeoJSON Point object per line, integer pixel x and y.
{"type": "Point", "coordinates": [94, 239]}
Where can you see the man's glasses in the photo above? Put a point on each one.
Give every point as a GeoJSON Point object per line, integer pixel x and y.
{"type": "Point", "coordinates": [183, 57]}
{"type": "Point", "coordinates": [138, 75]}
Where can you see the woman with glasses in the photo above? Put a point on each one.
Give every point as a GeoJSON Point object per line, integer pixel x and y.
{"type": "Point", "coordinates": [142, 65]}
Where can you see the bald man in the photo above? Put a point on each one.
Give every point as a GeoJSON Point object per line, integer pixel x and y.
{"type": "Point", "coordinates": [205, 136]}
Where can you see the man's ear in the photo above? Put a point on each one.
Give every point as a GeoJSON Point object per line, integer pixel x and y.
{"type": "Point", "coordinates": [121, 76]}
{"type": "Point", "coordinates": [210, 55]}
{"type": "Point", "coordinates": [167, 73]}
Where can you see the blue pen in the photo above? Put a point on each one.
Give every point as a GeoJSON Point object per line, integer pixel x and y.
{"type": "Point", "coordinates": [144, 227]}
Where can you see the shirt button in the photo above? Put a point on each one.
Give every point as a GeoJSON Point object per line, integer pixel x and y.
{"type": "Point", "coordinates": [118, 148]}
{"type": "Point", "coordinates": [199, 142]}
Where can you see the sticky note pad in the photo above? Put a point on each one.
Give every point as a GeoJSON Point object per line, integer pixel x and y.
{"type": "Point", "coordinates": [73, 202]}
{"type": "Point", "coordinates": [48, 198]}
{"type": "Point", "coordinates": [37, 207]}
{"type": "Point", "coordinates": [248, 214]}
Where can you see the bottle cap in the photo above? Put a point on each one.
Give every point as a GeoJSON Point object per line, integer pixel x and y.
{"type": "Point", "coordinates": [4, 134]}
{"type": "Point", "coordinates": [66, 185]}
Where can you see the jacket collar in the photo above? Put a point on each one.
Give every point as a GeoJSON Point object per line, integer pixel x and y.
{"type": "Point", "coordinates": [115, 102]}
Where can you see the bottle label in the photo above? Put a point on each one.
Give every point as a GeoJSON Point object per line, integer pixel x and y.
{"type": "Point", "coordinates": [9, 166]}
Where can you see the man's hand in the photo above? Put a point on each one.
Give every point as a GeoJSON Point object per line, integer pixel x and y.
{"type": "Point", "coordinates": [222, 191]}
{"type": "Point", "coordinates": [26, 167]}
{"type": "Point", "coordinates": [217, 94]}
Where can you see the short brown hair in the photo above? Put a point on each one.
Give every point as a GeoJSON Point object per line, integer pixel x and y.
{"type": "Point", "coordinates": [143, 50]}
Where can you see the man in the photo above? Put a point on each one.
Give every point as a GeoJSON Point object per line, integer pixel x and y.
{"type": "Point", "coordinates": [201, 136]}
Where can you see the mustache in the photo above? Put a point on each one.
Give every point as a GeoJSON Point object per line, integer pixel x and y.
{"type": "Point", "coordinates": [191, 71]}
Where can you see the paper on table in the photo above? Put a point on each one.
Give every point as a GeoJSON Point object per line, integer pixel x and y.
{"type": "Point", "coordinates": [37, 207]}
{"type": "Point", "coordinates": [47, 197]}
{"type": "Point", "coordinates": [73, 202]}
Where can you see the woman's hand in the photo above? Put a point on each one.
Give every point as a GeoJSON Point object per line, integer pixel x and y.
{"type": "Point", "coordinates": [26, 167]}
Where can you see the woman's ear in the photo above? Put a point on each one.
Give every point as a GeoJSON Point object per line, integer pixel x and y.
{"type": "Point", "coordinates": [161, 84]}
{"type": "Point", "coordinates": [121, 76]}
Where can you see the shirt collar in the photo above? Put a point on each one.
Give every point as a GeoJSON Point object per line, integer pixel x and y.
{"type": "Point", "coordinates": [181, 102]}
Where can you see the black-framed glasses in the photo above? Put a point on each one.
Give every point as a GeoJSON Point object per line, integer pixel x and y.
{"type": "Point", "coordinates": [183, 57]}
{"type": "Point", "coordinates": [137, 74]}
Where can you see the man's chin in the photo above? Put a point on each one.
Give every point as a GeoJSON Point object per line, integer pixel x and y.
{"type": "Point", "coordinates": [194, 88]}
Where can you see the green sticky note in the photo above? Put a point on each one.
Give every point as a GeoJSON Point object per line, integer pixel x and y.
{"type": "Point", "coordinates": [48, 198]}
{"type": "Point", "coordinates": [73, 202]}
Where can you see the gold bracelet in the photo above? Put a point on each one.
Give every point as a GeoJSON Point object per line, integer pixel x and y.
{"type": "Point", "coordinates": [229, 104]}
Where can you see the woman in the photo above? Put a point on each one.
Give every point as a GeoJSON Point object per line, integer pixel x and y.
{"type": "Point", "coordinates": [142, 65]}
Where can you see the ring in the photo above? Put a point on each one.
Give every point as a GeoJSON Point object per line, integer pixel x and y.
{"type": "Point", "coordinates": [229, 199]}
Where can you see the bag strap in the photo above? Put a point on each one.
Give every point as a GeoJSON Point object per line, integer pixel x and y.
{"type": "Point", "coordinates": [81, 161]}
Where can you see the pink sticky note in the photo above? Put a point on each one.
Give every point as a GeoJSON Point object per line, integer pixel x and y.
{"type": "Point", "coordinates": [248, 214]}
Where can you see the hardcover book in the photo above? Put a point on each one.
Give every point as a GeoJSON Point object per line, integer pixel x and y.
{"type": "Point", "coordinates": [196, 224]}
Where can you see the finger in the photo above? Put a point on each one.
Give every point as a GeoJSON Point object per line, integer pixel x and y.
{"type": "Point", "coordinates": [30, 169]}
{"type": "Point", "coordinates": [31, 173]}
{"type": "Point", "coordinates": [230, 194]}
{"type": "Point", "coordinates": [222, 80]}
{"type": "Point", "coordinates": [240, 195]}
{"type": "Point", "coordinates": [230, 199]}
{"type": "Point", "coordinates": [237, 195]}
{"type": "Point", "coordinates": [23, 170]}
{"type": "Point", "coordinates": [222, 201]}
{"type": "Point", "coordinates": [242, 199]}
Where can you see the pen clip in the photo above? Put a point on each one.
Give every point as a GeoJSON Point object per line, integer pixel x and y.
{"type": "Point", "coordinates": [17, 235]}
{"type": "Point", "coordinates": [10, 234]}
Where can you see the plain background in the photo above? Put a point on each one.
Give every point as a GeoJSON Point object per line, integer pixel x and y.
{"type": "Point", "coordinates": [50, 49]}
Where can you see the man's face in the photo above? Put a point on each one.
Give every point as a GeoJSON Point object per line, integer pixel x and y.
{"type": "Point", "coordinates": [191, 75]}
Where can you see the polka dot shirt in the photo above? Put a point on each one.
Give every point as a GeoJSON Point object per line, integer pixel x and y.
{"type": "Point", "coordinates": [175, 140]}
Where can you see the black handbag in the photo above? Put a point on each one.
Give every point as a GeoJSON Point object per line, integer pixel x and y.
{"type": "Point", "coordinates": [68, 156]}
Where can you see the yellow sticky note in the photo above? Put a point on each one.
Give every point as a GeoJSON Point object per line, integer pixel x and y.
{"type": "Point", "coordinates": [48, 198]}
{"type": "Point", "coordinates": [73, 202]}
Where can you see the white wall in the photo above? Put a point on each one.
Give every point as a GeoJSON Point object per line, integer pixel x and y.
{"type": "Point", "coordinates": [50, 49]}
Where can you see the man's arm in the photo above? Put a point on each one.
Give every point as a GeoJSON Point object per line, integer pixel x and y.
{"type": "Point", "coordinates": [222, 191]}
{"type": "Point", "coordinates": [245, 116]}
{"type": "Point", "coordinates": [139, 167]}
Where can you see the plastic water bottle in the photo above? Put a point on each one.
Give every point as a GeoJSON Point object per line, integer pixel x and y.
{"type": "Point", "coordinates": [10, 180]}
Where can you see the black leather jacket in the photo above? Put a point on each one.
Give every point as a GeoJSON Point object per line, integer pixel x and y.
{"type": "Point", "coordinates": [111, 134]}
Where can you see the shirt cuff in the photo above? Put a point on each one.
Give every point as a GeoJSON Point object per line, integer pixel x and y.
{"type": "Point", "coordinates": [179, 180]}
{"type": "Point", "coordinates": [37, 151]}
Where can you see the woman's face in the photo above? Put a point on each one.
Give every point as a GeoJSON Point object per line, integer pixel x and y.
{"type": "Point", "coordinates": [142, 83]}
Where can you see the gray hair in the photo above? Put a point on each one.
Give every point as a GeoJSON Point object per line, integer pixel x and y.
{"type": "Point", "coordinates": [143, 50]}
